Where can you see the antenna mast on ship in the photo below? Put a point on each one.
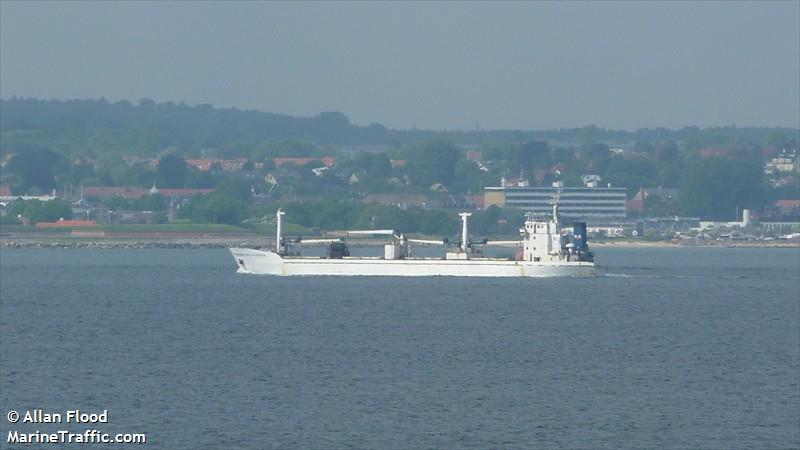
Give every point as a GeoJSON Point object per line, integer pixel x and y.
{"type": "Point", "coordinates": [278, 238]}
{"type": "Point", "coordinates": [464, 230]}
{"type": "Point", "coordinates": [558, 184]}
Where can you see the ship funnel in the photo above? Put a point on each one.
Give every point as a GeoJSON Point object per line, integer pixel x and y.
{"type": "Point", "coordinates": [579, 236]}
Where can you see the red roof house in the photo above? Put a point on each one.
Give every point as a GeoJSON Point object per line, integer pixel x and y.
{"type": "Point", "coordinates": [200, 164]}
{"type": "Point", "coordinates": [328, 161]}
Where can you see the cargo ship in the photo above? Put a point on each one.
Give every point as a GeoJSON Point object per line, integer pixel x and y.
{"type": "Point", "coordinates": [546, 248]}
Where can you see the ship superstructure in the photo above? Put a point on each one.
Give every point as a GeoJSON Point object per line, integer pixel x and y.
{"type": "Point", "coordinates": [545, 248]}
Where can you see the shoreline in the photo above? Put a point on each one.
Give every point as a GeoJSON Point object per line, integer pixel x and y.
{"type": "Point", "coordinates": [221, 241]}
{"type": "Point", "coordinates": [702, 244]}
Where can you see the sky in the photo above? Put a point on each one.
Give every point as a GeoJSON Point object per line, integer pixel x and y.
{"type": "Point", "coordinates": [446, 65]}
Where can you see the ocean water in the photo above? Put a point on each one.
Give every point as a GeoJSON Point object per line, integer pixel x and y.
{"type": "Point", "coordinates": [669, 348]}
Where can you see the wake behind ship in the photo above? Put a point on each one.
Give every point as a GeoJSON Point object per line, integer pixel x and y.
{"type": "Point", "coordinates": [545, 249]}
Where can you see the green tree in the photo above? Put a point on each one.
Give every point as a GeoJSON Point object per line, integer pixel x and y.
{"type": "Point", "coordinates": [716, 187]}
{"type": "Point", "coordinates": [117, 203]}
{"type": "Point", "coordinates": [564, 155]}
{"type": "Point", "coordinates": [597, 153]}
{"type": "Point", "coordinates": [670, 165]}
{"type": "Point", "coordinates": [213, 208]}
{"type": "Point", "coordinates": [668, 153]}
{"type": "Point", "coordinates": [201, 179]}
{"type": "Point", "coordinates": [152, 202]}
{"type": "Point", "coordinates": [658, 207]}
{"type": "Point", "coordinates": [171, 171]}
{"type": "Point", "coordinates": [432, 162]}
{"type": "Point", "coordinates": [533, 154]}
{"type": "Point", "coordinates": [633, 174]}
{"type": "Point", "coordinates": [470, 179]}
{"type": "Point", "coordinates": [38, 211]}
{"type": "Point", "coordinates": [372, 164]}
{"type": "Point", "coordinates": [237, 188]}
{"type": "Point", "coordinates": [80, 172]}
{"type": "Point", "coordinates": [485, 222]}
{"type": "Point", "coordinates": [373, 170]}
{"type": "Point", "coordinates": [37, 169]}
{"type": "Point", "coordinates": [332, 127]}
{"type": "Point", "coordinates": [53, 210]}
{"type": "Point", "coordinates": [222, 208]}
{"type": "Point", "coordinates": [113, 171]}
{"type": "Point", "coordinates": [776, 139]}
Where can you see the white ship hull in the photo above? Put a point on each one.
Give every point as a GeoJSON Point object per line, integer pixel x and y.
{"type": "Point", "coordinates": [270, 263]}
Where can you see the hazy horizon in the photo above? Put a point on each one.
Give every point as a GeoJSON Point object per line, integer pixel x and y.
{"type": "Point", "coordinates": [428, 65]}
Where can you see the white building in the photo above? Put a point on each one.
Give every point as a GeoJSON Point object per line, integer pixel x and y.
{"type": "Point", "coordinates": [591, 204]}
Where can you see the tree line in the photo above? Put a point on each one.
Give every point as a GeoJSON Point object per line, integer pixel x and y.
{"type": "Point", "coordinates": [92, 127]}
{"type": "Point", "coordinates": [82, 142]}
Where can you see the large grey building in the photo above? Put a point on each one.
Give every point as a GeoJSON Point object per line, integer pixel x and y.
{"type": "Point", "coordinates": [594, 204]}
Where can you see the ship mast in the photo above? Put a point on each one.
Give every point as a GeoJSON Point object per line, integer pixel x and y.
{"type": "Point", "coordinates": [555, 208]}
{"type": "Point", "coordinates": [464, 216]}
{"type": "Point", "coordinates": [278, 231]}
{"type": "Point", "coordinates": [557, 197]}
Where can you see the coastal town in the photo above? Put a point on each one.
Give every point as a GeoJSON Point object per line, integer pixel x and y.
{"type": "Point", "coordinates": [693, 187]}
